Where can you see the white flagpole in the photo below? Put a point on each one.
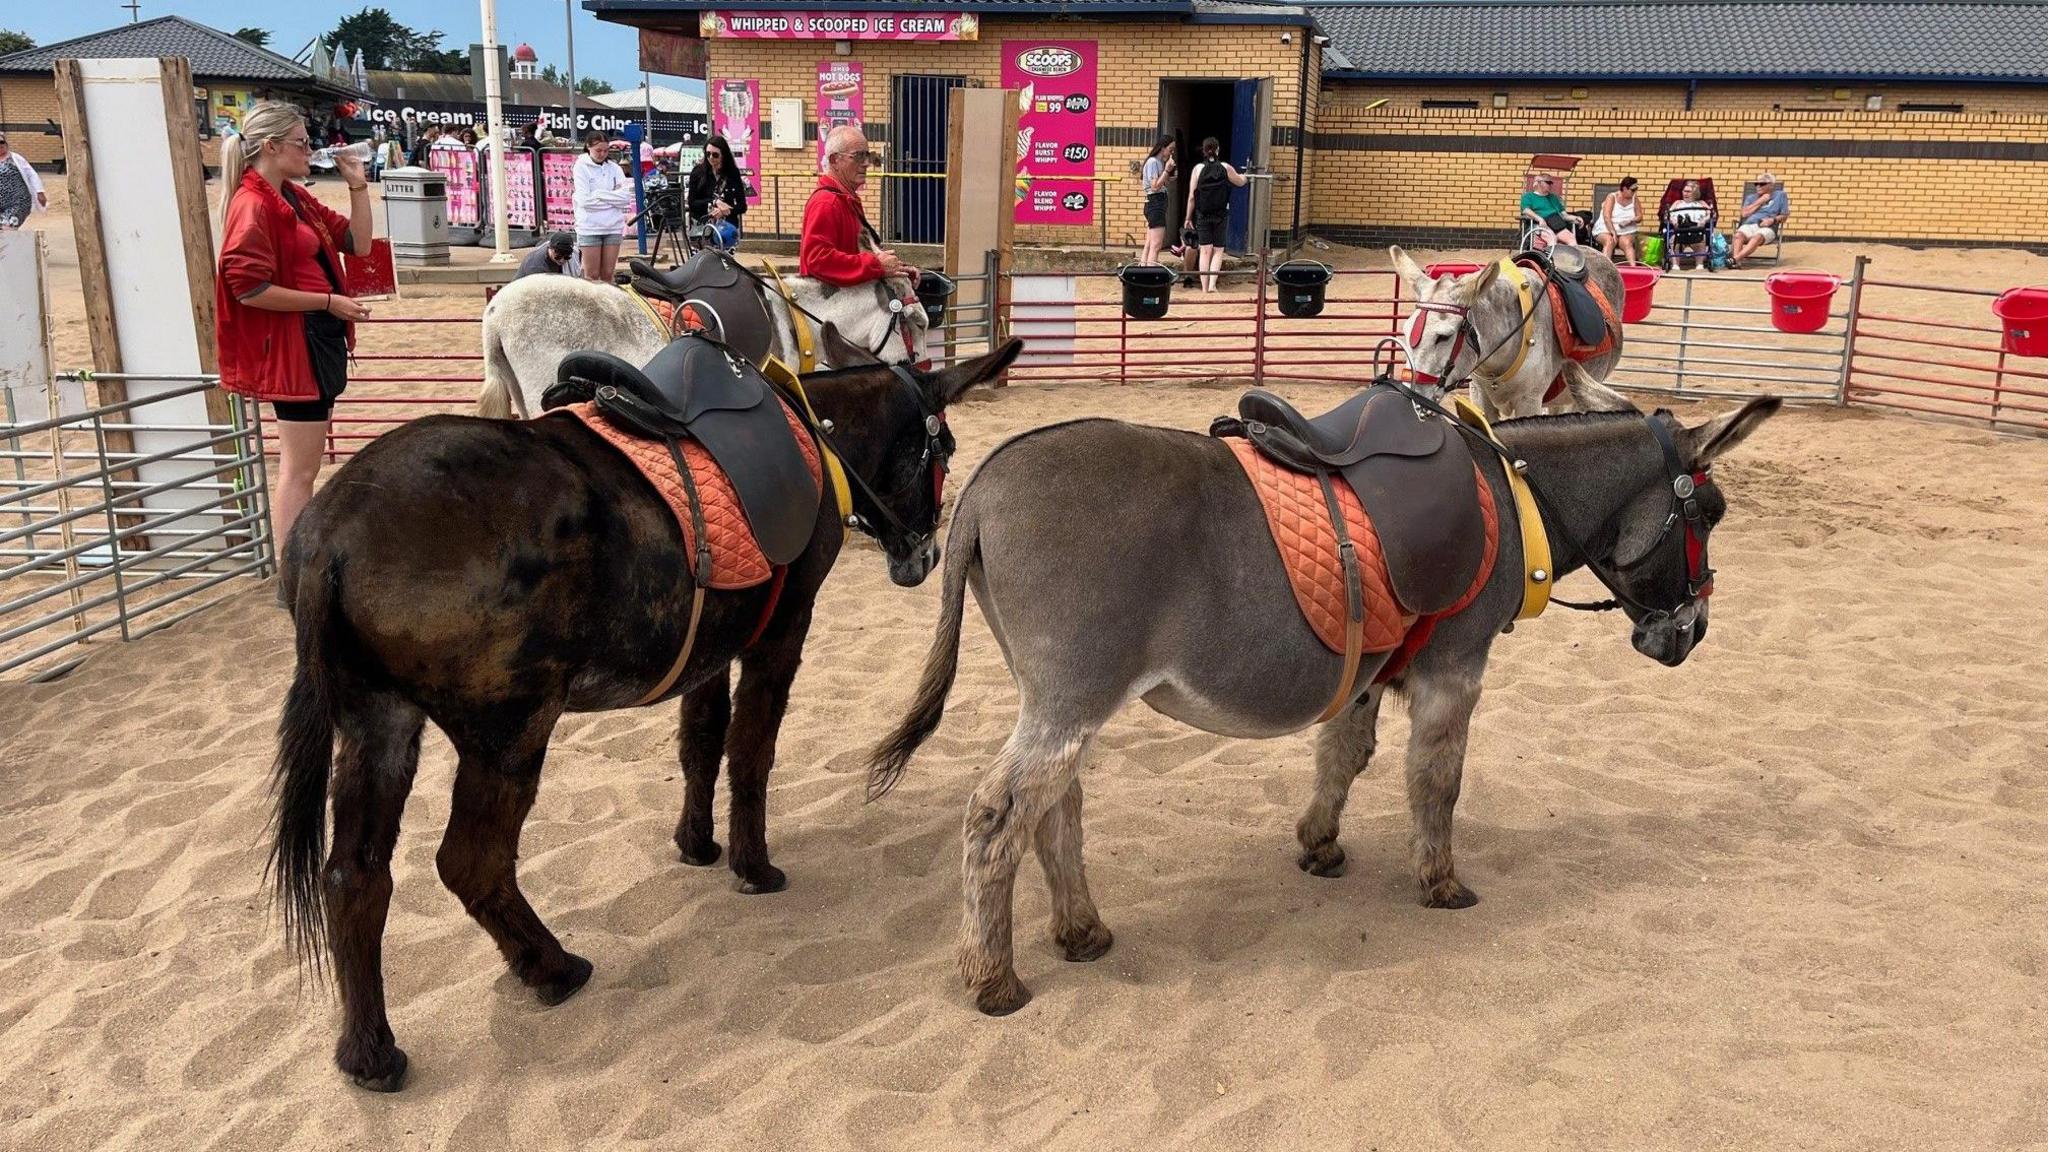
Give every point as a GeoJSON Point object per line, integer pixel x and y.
{"type": "Point", "coordinates": [494, 122]}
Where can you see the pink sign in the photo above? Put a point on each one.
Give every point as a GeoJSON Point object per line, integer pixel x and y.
{"type": "Point", "coordinates": [519, 200]}
{"type": "Point", "coordinates": [458, 164]}
{"type": "Point", "coordinates": [558, 189]}
{"type": "Point", "coordinates": [736, 115]}
{"type": "Point", "coordinates": [1055, 85]}
{"type": "Point", "coordinates": [837, 25]}
{"type": "Point", "coordinates": [841, 99]}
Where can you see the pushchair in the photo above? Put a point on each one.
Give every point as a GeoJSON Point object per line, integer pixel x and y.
{"type": "Point", "coordinates": [1691, 229]}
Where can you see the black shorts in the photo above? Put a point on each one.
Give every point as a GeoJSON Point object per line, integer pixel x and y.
{"type": "Point", "coordinates": [1210, 230]}
{"type": "Point", "coordinates": [327, 348]}
{"type": "Point", "coordinates": [1155, 210]}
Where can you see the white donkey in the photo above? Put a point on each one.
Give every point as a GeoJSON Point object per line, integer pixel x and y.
{"type": "Point", "coordinates": [537, 320]}
{"type": "Point", "coordinates": [1474, 325]}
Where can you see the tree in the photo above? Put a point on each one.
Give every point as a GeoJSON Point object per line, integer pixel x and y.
{"type": "Point", "coordinates": [550, 75]}
{"type": "Point", "coordinates": [12, 41]}
{"type": "Point", "coordinates": [385, 43]}
{"type": "Point", "coordinates": [592, 86]}
{"type": "Point", "coordinates": [260, 37]}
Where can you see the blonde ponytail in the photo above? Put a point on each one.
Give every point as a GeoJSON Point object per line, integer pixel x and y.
{"type": "Point", "coordinates": [265, 120]}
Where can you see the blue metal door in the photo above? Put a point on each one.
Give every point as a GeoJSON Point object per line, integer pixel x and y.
{"type": "Point", "coordinates": [1241, 149]}
{"type": "Point", "coordinates": [917, 186]}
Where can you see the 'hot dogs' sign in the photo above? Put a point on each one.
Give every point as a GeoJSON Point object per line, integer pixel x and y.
{"type": "Point", "coordinates": [1055, 85]}
{"type": "Point", "coordinates": [772, 25]}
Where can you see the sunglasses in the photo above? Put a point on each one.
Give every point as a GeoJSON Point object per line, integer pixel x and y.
{"type": "Point", "coordinates": [864, 159]}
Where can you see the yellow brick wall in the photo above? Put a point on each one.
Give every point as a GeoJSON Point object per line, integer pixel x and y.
{"type": "Point", "coordinates": [1417, 187]}
{"type": "Point", "coordinates": [1131, 59]}
{"type": "Point", "coordinates": [1710, 97]}
{"type": "Point", "coordinates": [30, 100]}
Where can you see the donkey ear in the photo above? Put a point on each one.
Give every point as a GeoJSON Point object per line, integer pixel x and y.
{"type": "Point", "coordinates": [1591, 395]}
{"type": "Point", "coordinates": [948, 384]}
{"type": "Point", "coordinates": [1410, 272]}
{"type": "Point", "coordinates": [1708, 441]}
{"type": "Point", "coordinates": [1470, 291]}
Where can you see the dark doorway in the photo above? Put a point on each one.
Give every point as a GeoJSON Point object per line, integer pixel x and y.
{"type": "Point", "coordinates": [1235, 113]}
{"type": "Point", "coordinates": [917, 201]}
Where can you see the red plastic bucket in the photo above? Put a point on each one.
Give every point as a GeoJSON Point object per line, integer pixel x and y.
{"type": "Point", "coordinates": [1799, 300]}
{"type": "Point", "coordinates": [1452, 268]}
{"type": "Point", "coordinates": [2024, 311]}
{"type": "Point", "coordinates": [1639, 285]}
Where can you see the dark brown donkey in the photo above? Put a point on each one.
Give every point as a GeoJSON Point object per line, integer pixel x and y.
{"type": "Point", "coordinates": [491, 576]}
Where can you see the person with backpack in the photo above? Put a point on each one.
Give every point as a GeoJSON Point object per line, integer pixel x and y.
{"type": "Point", "coordinates": [1208, 211]}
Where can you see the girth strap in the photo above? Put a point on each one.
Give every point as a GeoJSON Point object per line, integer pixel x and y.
{"type": "Point", "coordinates": [1354, 595]}
{"type": "Point", "coordinates": [700, 575]}
{"type": "Point", "coordinates": [806, 347]}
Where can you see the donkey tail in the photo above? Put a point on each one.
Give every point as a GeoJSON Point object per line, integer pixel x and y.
{"type": "Point", "coordinates": [892, 755]}
{"type": "Point", "coordinates": [501, 384]}
{"type": "Point", "coordinates": [305, 754]}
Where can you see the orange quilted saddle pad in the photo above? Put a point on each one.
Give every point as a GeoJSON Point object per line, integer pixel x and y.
{"type": "Point", "coordinates": [736, 560]}
{"type": "Point", "coordinates": [1299, 520]}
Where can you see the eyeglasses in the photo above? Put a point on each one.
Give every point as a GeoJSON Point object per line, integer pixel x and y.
{"type": "Point", "coordinates": [864, 159]}
{"type": "Point", "coordinates": [298, 142]}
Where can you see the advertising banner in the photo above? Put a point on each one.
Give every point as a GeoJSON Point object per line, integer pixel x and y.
{"type": "Point", "coordinates": [728, 25]}
{"type": "Point", "coordinates": [465, 199]}
{"type": "Point", "coordinates": [736, 115]}
{"type": "Point", "coordinates": [688, 128]}
{"type": "Point", "coordinates": [841, 99]}
{"type": "Point", "coordinates": [1055, 85]}
{"type": "Point", "coordinates": [519, 201]}
{"type": "Point", "coordinates": [558, 189]}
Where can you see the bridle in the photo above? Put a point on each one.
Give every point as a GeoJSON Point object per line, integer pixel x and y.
{"type": "Point", "coordinates": [1686, 511]}
{"type": "Point", "coordinates": [938, 449]}
{"type": "Point", "coordinates": [900, 306]}
{"type": "Point", "coordinates": [1466, 331]}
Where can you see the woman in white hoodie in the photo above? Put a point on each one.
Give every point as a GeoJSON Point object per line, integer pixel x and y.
{"type": "Point", "coordinates": [603, 194]}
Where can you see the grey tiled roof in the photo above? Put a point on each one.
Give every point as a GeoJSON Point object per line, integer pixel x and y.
{"type": "Point", "coordinates": [1757, 39]}
{"type": "Point", "coordinates": [1013, 7]}
{"type": "Point", "coordinates": [213, 54]}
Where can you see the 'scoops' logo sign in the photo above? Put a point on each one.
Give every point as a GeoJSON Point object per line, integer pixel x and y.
{"type": "Point", "coordinates": [1049, 61]}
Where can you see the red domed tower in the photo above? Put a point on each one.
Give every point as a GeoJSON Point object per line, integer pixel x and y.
{"type": "Point", "coordinates": [525, 62]}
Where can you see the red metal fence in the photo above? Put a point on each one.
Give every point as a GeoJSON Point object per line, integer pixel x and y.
{"type": "Point", "coordinates": [1952, 367]}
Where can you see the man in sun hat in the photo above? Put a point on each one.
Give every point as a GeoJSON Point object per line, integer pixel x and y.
{"type": "Point", "coordinates": [1761, 219]}
{"type": "Point", "coordinates": [1543, 205]}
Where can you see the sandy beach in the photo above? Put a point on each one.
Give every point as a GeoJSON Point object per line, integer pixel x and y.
{"type": "Point", "coordinates": [1785, 896]}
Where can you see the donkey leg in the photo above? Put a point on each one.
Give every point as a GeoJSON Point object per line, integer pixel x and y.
{"type": "Point", "coordinates": [1076, 927]}
{"type": "Point", "coordinates": [1030, 775]}
{"type": "Point", "coordinates": [1440, 715]}
{"type": "Point", "coordinates": [766, 672]}
{"type": "Point", "coordinates": [379, 750]}
{"type": "Point", "coordinates": [495, 784]}
{"type": "Point", "coordinates": [706, 712]}
{"type": "Point", "coordinates": [1344, 748]}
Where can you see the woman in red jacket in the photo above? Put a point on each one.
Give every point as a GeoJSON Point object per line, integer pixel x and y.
{"type": "Point", "coordinates": [283, 323]}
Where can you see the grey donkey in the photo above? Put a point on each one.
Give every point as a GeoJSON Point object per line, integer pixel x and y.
{"type": "Point", "coordinates": [1114, 560]}
{"type": "Point", "coordinates": [1490, 311]}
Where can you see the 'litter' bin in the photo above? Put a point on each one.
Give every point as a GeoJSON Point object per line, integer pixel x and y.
{"type": "Point", "coordinates": [1147, 289]}
{"type": "Point", "coordinates": [1300, 285]}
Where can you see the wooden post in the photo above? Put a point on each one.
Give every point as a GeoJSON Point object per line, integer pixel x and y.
{"type": "Point", "coordinates": [82, 181]}
{"type": "Point", "coordinates": [188, 187]}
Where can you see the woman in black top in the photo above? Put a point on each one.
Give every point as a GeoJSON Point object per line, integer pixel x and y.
{"type": "Point", "coordinates": [718, 193]}
{"type": "Point", "coordinates": [1208, 211]}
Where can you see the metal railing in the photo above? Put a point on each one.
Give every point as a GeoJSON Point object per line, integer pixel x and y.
{"type": "Point", "coordinates": [88, 548]}
{"type": "Point", "coordinates": [780, 214]}
{"type": "Point", "coordinates": [1937, 367]}
{"type": "Point", "coordinates": [1708, 343]}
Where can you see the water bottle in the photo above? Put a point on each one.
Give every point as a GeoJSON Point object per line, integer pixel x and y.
{"type": "Point", "coordinates": [358, 151]}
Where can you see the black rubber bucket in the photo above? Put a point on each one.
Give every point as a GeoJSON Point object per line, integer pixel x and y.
{"type": "Point", "coordinates": [933, 291]}
{"type": "Point", "coordinates": [1300, 285]}
{"type": "Point", "coordinates": [1147, 288]}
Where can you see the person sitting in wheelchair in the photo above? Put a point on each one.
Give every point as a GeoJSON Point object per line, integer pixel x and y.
{"type": "Point", "coordinates": [718, 195]}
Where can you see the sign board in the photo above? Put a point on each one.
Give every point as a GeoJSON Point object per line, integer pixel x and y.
{"type": "Point", "coordinates": [736, 115]}
{"type": "Point", "coordinates": [842, 99]}
{"type": "Point", "coordinates": [520, 201]}
{"type": "Point", "coordinates": [558, 188]}
{"type": "Point", "coordinates": [476, 73]}
{"type": "Point", "coordinates": [465, 191]}
{"type": "Point", "coordinates": [671, 53]}
{"type": "Point", "coordinates": [1055, 85]}
{"type": "Point", "coordinates": [689, 127]}
{"type": "Point", "coordinates": [837, 25]}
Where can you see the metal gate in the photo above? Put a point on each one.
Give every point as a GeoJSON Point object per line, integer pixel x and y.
{"type": "Point", "coordinates": [917, 192]}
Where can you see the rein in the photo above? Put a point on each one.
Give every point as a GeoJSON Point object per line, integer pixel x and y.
{"type": "Point", "coordinates": [875, 354]}
{"type": "Point", "coordinates": [1685, 509]}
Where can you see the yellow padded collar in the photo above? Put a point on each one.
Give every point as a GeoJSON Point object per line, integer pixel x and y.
{"type": "Point", "coordinates": [1537, 575]}
{"type": "Point", "coordinates": [835, 472]}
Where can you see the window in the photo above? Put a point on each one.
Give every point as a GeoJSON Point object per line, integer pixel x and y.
{"type": "Point", "coordinates": [1930, 107]}
{"type": "Point", "coordinates": [1450, 103]}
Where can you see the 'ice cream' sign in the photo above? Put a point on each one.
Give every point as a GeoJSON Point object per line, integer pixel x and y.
{"type": "Point", "coordinates": [1055, 85]}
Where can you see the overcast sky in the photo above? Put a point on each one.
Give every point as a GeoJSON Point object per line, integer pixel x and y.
{"type": "Point", "coordinates": [607, 51]}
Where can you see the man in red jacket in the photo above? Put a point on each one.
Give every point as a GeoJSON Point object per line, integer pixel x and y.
{"type": "Point", "coordinates": [834, 223]}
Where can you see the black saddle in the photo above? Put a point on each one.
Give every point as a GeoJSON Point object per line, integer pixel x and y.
{"type": "Point", "coordinates": [1410, 469]}
{"type": "Point", "coordinates": [1566, 268]}
{"type": "Point", "coordinates": [724, 295]}
{"type": "Point", "coordinates": [696, 389]}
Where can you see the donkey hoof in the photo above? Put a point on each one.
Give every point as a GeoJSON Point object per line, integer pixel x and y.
{"type": "Point", "coordinates": [1081, 947]}
{"type": "Point", "coordinates": [384, 1072]}
{"type": "Point", "coordinates": [701, 855]}
{"type": "Point", "coordinates": [553, 992]}
{"type": "Point", "coordinates": [1002, 998]}
{"type": "Point", "coordinates": [1448, 894]}
{"type": "Point", "coordinates": [761, 881]}
{"type": "Point", "coordinates": [1327, 861]}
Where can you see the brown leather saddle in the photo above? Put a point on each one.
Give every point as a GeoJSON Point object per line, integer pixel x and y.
{"type": "Point", "coordinates": [697, 389]}
{"type": "Point", "coordinates": [724, 296]}
{"type": "Point", "coordinates": [1411, 471]}
{"type": "Point", "coordinates": [1565, 269]}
